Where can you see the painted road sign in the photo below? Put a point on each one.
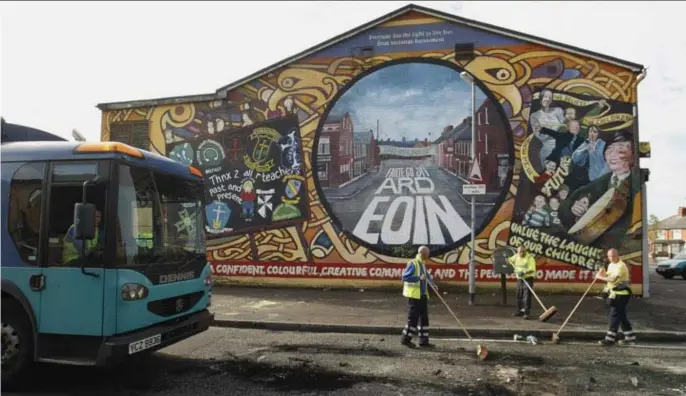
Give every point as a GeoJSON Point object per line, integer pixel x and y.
{"type": "Point", "coordinates": [475, 172]}
{"type": "Point", "coordinates": [473, 189]}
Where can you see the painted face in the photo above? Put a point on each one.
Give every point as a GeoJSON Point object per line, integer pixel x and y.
{"type": "Point", "coordinates": [539, 201]}
{"type": "Point", "coordinates": [554, 204]}
{"type": "Point", "coordinates": [573, 127]}
{"type": "Point", "coordinates": [593, 134]}
{"type": "Point", "coordinates": [247, 187]}
{"type": "Point", "coordinates": [546, 99]}
{"type": "Point", "coordinates": [521, 251]}
{"type": "Point", "coordinates": [550, 166]}
{"type": "Point", "coordinates": [570, 114]}
{"type": "Point", "coordinates": [619, 157]}
{"type": "Point", "coordinates": [613, 256]}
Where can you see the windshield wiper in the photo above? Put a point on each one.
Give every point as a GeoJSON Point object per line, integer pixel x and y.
{"type": "Point", "coordinates": [193, 256]}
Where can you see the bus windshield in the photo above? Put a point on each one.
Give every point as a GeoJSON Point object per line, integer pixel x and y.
{"type": "Point", "coordinates": [160, 218]}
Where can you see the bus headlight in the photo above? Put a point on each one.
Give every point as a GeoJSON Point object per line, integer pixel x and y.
{"type": "Point", "coordinates": [133, 291]}
{"type": "Point", "coordinates": [208, 280]}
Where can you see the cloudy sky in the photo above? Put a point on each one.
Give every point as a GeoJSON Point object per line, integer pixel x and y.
{"type": "Point", "coordinates": [60, 59]}
{"type": "Point", "coordinates": [409, 100]}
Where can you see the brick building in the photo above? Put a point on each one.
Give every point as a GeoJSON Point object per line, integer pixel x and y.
{"type": "Point", "coordinates": [335, 151]}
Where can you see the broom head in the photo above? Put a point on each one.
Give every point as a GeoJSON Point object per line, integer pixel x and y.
{"type": "Point", "coordinates": [481, 352]}
{"type": "Point", "coordinates": [556, 339]}
{"type": "Point", "coordinates": [549, 313]}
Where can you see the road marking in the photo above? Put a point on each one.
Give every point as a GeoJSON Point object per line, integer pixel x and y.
{"type": "Point", "coordinates": [547, 342]}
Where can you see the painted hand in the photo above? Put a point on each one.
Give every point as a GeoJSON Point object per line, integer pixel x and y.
{"type": "Point", "coordinates": [580, 207]}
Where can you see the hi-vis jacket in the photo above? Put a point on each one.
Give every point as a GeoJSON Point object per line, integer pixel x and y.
{"type": "Point", "coordinates": [618, 283]}
{"type": "Point", "coordinates": [414, 287]}
{"type": "Point", "coordinates": [72, 247]}
{"type": "Point", "coordinates": [523, 265]}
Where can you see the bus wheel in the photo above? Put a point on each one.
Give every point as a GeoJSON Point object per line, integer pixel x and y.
{"type": "Point", "coordinates": [17, 343]}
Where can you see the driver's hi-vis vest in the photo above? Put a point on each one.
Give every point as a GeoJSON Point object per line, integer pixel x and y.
{"type": "Point", "coordinates": [414, 289]}
{"type": "Point", "coordinates": [71, 248]}
{"type": "Point", "coordinates": [621, 285]}
{"type": "Point", "coordinates": [526, 265]}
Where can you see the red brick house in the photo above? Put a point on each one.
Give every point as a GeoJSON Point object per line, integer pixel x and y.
{"type": "Point", "coordinates": [335, 151]}
{"type": "Point", "coordinates": [491, 146]}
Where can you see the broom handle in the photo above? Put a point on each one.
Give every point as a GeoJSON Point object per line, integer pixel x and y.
{"type": "Point", "coordinates": [534, 294]}
{"type": "Point", "coordinates": [576, 306]}
{"type": "Point", "coordinates": [451, 311]}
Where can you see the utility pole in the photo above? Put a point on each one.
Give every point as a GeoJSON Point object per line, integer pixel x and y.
{"type": "Point", "coordinates": [472, 260]}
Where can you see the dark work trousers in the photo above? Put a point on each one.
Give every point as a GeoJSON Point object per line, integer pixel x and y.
{"type": "Point", "coordinates": [417, 320]}
{"type": "Point", "coordinates": [524, 295]}
{"type": "Point", "coordinates": [619, 318]}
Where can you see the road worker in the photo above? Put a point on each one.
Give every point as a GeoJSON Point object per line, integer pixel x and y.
{"type": "Point", "coordinates": [525, 269]}
{"type": "Point", "coordinates": [618, 292]}
{"type": "Point", "coordinates": [416, 289]}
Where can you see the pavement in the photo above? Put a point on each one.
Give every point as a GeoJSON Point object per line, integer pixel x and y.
{"type": "Point", "coordinates": [266, 363]}
{"type": "Point", "coordinates": [660, 318]}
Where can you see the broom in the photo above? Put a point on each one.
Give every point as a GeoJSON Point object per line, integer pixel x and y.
{"type": "Point", "coordinates": [556, 336]}
{"type": "Point", "coordinates": [547, 312]}
{"type": "Point", "coordinates": [481, 350]}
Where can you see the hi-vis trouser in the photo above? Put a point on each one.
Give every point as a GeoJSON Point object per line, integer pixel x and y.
{"type": "Point", "coordinates": [618, 298]}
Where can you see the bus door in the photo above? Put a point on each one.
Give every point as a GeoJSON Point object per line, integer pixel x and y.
{"type": "Point", "coordinates": [72, 300]}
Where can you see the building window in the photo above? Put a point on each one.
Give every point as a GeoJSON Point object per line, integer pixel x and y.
{"type": "Point", "coordinates": [25, 207]}
{"type": "Point", "coordinates": [676, 234]}
{"type": "Point", "coordinates": [486, 116]}
{"type": "Point", "coordinates": [323, 170]}
{"type": "Point", "coordinates": [478, 118]}
{"type": "Point", "coordinates": [133, 133]}
{"type": "Point", "coordinates": [661, 235]}
{"type": "Point", "coordinates": [323, 147]}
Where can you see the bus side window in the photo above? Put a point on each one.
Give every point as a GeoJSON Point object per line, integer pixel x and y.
{"type": "Point", "coordinates": [65, 191]}
{"type": "Point", "coordinates": [25, 206]}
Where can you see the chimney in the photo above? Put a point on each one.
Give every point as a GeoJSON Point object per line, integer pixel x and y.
{"type": "Point", "coordinates": [682, 211]}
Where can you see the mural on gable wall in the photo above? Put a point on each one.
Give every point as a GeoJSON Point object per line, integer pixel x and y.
{"type": "Point", "coordinates": [336, 234]}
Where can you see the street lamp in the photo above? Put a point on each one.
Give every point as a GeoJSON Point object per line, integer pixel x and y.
{"type": "Point", "coordinates": [472, 262]}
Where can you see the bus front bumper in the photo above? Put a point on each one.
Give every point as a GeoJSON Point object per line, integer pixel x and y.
{"type": "Point", "coordinates": [118, 348]}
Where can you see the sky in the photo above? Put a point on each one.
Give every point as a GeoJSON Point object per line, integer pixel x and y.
{"type": "Point", "coordinates": [409, 100]}
{"type": "Point", "coordinates": [58, 60]}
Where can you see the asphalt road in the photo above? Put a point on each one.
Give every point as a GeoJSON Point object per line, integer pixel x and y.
{"type": "Point", "coordinates": [245, 362]}
{"type": "Point", "coordinates": [349, 212]}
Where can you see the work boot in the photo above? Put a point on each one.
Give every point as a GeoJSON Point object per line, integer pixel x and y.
{"type": "Point", "coordinates": [605, 342]}
{"type": "Point", "coordinates": [517, 313]}
{"type": "Point", "coordinates": [525, 316]}
{"type": "Point", "coordinates": [626, 342]}
{"type": "Point", "coordinates": [407, 341]}
{"type": "Point", "coordinates": [424, 343]}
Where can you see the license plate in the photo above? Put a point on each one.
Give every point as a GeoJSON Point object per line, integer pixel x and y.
{"type": "Point", "coordinates": [146, 343]}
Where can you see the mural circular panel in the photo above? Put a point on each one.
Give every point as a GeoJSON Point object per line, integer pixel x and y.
{"type": "Point", "coordinates": [393, 152]}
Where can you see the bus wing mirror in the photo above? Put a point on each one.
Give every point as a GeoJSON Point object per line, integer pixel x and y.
{"type": "Point", "coordinates": [84, 221]}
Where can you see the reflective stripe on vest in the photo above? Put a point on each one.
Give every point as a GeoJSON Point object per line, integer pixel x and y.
{"type": "Point", "coordinates": [414, 289]}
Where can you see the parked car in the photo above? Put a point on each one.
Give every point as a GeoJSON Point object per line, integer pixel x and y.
{"type": "Point", "coordinates": [675, 266]}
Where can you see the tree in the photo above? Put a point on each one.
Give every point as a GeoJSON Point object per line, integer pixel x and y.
{"type": "Point", "coordinates": [653, 221]}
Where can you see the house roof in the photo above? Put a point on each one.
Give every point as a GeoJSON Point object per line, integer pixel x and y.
{"type": "Point", "coordinates": [672, 223]}
{"type": "Point", "coordinates": [334, 119]}
{"type": "Point", "coordinates": [221, 92]}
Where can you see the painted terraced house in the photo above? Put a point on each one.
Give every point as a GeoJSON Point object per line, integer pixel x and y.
{"type": "Point", "coordinates": [268, 130]}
